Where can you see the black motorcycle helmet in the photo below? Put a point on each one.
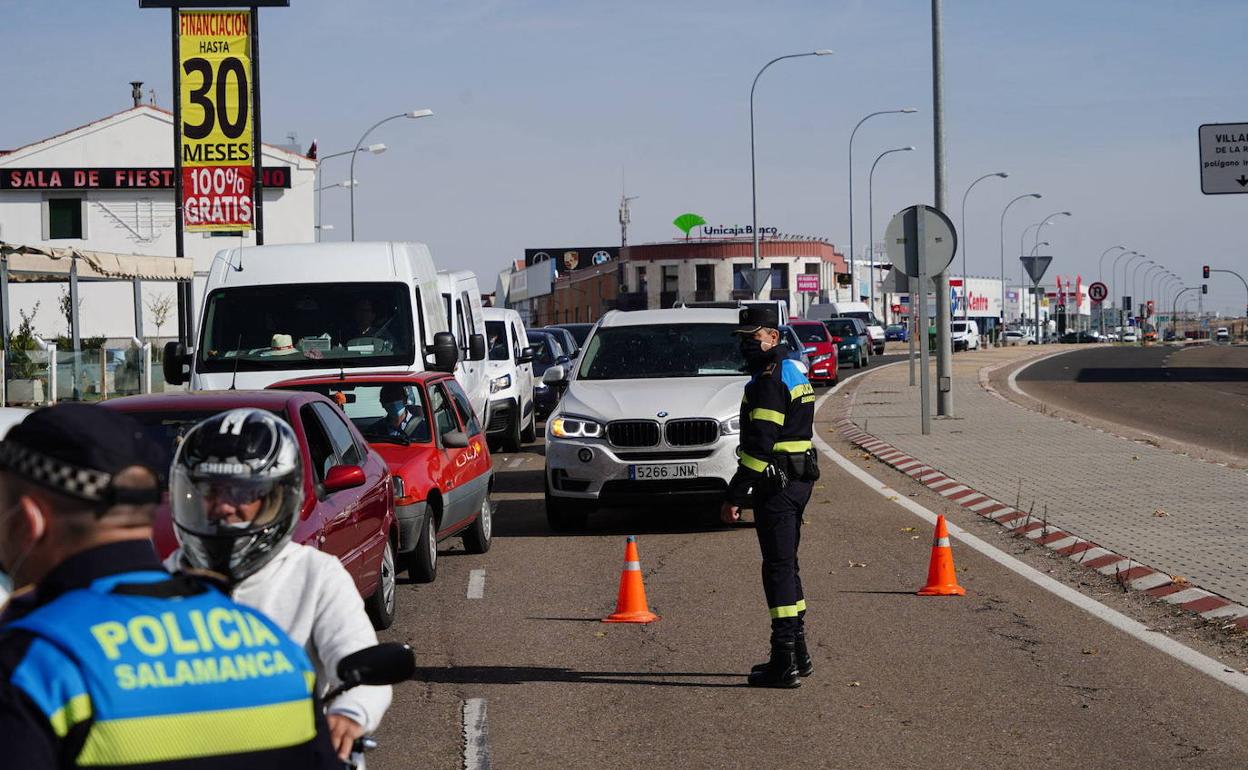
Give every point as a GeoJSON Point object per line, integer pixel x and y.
{"type": "Point", "coordinates": [236, 489]}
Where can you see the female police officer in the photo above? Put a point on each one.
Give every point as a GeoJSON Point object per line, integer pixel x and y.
{"type": "Point", "coordinates": [777, 467]}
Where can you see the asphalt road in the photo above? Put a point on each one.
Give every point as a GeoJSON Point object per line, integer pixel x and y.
{"type": "Point", "coordinates": [1194, 395]}
{"type": "Point", "coordinates": [1008, 676]}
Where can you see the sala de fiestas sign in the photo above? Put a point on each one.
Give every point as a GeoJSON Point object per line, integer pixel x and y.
{"type": "Point", "coordinates": [110, 178]}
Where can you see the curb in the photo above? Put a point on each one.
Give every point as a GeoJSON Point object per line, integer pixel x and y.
{"type": "Point", "coordinates": [1128, 572]}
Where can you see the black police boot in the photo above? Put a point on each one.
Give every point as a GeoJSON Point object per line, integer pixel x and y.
{"type": "Point", "coordinates": [801, 657]}
{"type": "Point", "coordinates": [779, 671]}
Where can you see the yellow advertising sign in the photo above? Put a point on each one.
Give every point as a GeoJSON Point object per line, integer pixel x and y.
{"type": "Point", "coordinates": [215, 127]}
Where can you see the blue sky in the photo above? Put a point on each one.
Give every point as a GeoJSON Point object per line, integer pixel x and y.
{"type": "Point", "coordinates": [542, 107]}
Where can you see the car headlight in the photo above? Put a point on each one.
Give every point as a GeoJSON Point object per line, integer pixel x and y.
{"type": "Point", "coordinates": [820, 358]}
{"type": "Point", "coordinates": [575, 427]}
{"type": "Point", "coordinates": [851, 344]}
{"type": "Point", "coordinates": [500, 383]}
{"type": "Point", "coordinates": [731, 426]}
{"type": "Point", "coordinates": [539, 385]}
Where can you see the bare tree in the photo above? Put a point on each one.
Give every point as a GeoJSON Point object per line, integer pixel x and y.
{"type": "Point", "coordinates": [66, 311]}
{"type": "Point", "coordinates": [160, 306]}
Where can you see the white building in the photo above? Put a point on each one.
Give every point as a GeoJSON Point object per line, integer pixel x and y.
{"type": "Point", "coordinates": [107, 186]}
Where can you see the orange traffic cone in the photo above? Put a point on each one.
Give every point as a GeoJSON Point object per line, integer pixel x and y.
{"type": "Point", "coordinates": [630, 606]}
{"type": "Point", "coordinates": [941, 578]}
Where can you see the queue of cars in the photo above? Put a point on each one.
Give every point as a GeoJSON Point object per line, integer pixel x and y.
{"type": "Point", "coordinates": [383, 372]}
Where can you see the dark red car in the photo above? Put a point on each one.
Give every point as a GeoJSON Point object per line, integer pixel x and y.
{"type": "Point", "coordinates": [348, 506]}
{"type": "Point", "coordinates": [436, 451]}
{"type": "Point", "coordinates": [820, 347]}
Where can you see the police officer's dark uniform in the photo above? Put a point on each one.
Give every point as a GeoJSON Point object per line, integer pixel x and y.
{"type": "Point", "coordinates": [777, 462]}
{"type": "Point", "coordinates": [109, 661]}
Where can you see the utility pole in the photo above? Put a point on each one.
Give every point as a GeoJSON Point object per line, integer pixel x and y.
{"type": "Point", "coordinates": [624, 217]}
{"type": "Point", "coordinates": [944, 345]}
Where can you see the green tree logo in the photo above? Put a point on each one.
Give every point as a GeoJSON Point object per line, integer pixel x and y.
{"type": "Point", "coordinates": [686, 222]}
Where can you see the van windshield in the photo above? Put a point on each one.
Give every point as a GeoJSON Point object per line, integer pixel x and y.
{"type": "Point", "coordinates": [307, 326]}
{"type": "Point", "coordinates": [645, 352]}
{"type": "Point", "coordinates": [864, 316]}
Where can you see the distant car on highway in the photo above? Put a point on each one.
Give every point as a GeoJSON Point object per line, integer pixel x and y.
{"type": "Point", "coordinates": [1079, 337]}
{"type": "Point", "coordinates": [853, 345]}
{"type": "Point", "coordinates": [896, 333]}
{"type": "Point", "coordinates": [1129, 336]}
{"type": "Point", "coordinates": [1222, 334]}
{"type": "Point", "coordinates": [818, 344]}
{"type": "Point", "coordinates": [1017, 337]}
{"type": "Point", "coordinates": [651, 413]}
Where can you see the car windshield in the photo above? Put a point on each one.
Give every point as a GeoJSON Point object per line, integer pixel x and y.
{"type": "Point", "coordinates": [661, 350]}
{"type": "Point", "coordinates": [811, 332]}
{"type": "Point", "coordinates": [382, 411]}
{"type": "Point", "coordinates": [167, 429]}
{"type": "Point", "coordinates": [305, 326]}
{"type": "Point", "coordinates": [579, 331]}
{"type": "Point", "coordinates": [841, 328]}
{"type": "Point", "coordinates": [496, 340]}
{"type": "Point", "coordinates": [546, 347]}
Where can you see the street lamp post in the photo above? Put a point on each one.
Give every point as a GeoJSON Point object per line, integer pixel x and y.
{"type": "Point", "coordinates": [1135, 274]}
{"type": "Point", "coordinates": [850, 174]}
{"type": "Point", "coordinates": [375, 149]}
{"type": "Point", "coordinates": [1035, 248]}
{"type": "Point", "coordinates": [411, 114]}
{"type": "Point", "coordinates": [1100, 272]}
{"type": "Point", "coordinates": [1126, 285]}
{"type": "Point", "coordinates": [753, 174]}
{"type": "Point", "coordinates": [1003, 292]}
{"type": "Point", "coordinates": [320, 226]}
{"type": "Point", "coordinates": [962, 243]}
{"type": "Point", "coordinates": [871, 224]}
{"type": "Point", "coordinates": [1116, 289]}
{"type": "Point", "coordinates": [1048, 221]}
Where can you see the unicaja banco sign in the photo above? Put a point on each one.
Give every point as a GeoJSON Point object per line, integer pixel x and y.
{"type": "Point", "coordinates": [738, 230]}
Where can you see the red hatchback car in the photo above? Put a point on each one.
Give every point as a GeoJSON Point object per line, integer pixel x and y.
{"type": "Point", "coordinates": [425, 428]}
{"type": "Point", "coordinates": [348, 505]}
{"type": "Point", "coordinates": [821, 348]}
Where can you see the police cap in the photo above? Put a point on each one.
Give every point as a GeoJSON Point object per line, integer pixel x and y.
{"type": "Point", "coordinates": [755, 317]}
{"type": "Point", "coordinates": [77, 449]}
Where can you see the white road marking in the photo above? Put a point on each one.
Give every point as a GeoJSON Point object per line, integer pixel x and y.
{"type": "Point", "coordinates": [476, 584]}
{"type": "Point", "coordinates": [476, 736]}
{"type": "Point", "coordinates": [1180, 652]}
{"type": "Point", "coordinates": [515, 462]}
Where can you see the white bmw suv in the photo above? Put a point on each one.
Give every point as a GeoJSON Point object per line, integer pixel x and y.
{"type": "Point", "coordinates": [650, 412]}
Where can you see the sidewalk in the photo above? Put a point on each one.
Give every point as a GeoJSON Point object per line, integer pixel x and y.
{"type": "Point", "coordinates": [1157, 520]}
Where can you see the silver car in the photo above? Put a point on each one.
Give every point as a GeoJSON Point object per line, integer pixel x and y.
{"type": "Point", "coordinates": [651, 412]}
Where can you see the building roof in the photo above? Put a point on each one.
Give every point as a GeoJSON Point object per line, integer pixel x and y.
{"type": "Point", "coordinates": [735, 248]}
{"type": "Point", "coordinates": [149, 110]}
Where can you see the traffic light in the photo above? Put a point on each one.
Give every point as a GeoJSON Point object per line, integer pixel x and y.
{"type": "Point", "coordinates": [1204, 288]}
{"type": "Point", "coordinates": [1205, 272]}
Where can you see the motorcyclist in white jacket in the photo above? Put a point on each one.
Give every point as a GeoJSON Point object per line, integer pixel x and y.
{"type": "Point", "coordinates": [236, 489]}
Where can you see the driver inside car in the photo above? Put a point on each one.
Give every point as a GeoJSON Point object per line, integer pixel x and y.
{"type": "Point", "coordinates": [365, 324]}
{"type": "Point", "coordinates": [404, 418]}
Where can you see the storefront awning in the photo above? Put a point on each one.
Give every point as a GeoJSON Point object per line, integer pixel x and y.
{"type": "Point", "coordinates": [33, 264]}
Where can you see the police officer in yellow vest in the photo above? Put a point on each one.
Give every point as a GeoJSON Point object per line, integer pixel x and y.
{"type": "Point", "coordinates": [106, 660]}
{"type": "Point", "coordinates": [776, 468]}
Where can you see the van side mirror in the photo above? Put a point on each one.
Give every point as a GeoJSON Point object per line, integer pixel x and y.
{"type": "Point", "coordinates": [476, 347]}
{"type": "Point", "coordinates": [175, 363]}
{"type": "Point", "coordinates": [527, 354]}
{"type": "Point", "coordinates": [445, 352]}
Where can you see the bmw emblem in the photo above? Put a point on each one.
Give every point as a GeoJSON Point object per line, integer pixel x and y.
{"type": "Point", "coordinates": [661, 414]}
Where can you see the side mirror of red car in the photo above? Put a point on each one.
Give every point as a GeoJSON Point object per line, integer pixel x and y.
{"type": "Point", "coordinates": [836, 340]}
{"type": "Point", "coordinates": [342, 477]}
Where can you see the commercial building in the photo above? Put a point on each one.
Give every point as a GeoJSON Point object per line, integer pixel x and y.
{"type": "Point", "coordinates": [107, 186]}
{"type": "Point", "coordinates": [588, 281]}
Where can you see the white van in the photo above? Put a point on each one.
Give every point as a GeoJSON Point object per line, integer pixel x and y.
{"type": "Point", "coordinates": [275, 312]}
{"type": "Point", "coordinates": [461, 301]}
{"type": "Point", "coordinates": [964, 334]}
{"type": "Point", "coordinates": [509, 363]}
{"type": "Point", "coordinates": [822, 311]}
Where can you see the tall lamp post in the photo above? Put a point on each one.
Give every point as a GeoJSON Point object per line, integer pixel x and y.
{"type": "Point", "coordinates": [1126, 285]}
{"type": "Point", "coordinates": [753, 173]}
{"type": "Point", "coordinates": [850, 174]}
{"type": "Point", "coordinates": [1115, 293]}
{"type": "Point", "coordinates": [1048, 221]}
{"type": "Point", "coordinates": [1100, 272]}
{"type": "Point", "coordinates": [962, 242]}
{"type": "Point", "coordinates": [411, 114]}
{"type": "Point", "coordinates": [1003, 212]}
{"type": "Point", "coordinates": [1135, 274]}
{"type": "Point", "coordinates": [375, 149]}
{"type": "Point", "coordinates": [871, 223]}
{"type": "Point", "coordinates": [321, 226]}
